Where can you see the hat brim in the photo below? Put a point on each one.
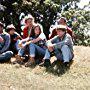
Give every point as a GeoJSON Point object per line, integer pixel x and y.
{"type": "Point", "coordinates": [63, 29]}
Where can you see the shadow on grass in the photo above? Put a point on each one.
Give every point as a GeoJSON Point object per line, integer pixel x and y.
{"type": "Point", "coordinates": [58, 68]}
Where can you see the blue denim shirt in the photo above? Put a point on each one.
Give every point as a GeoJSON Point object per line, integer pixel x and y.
{"type": "Point", "coordinates": [58, 43]}
{"type": "Point", "coordinates": [4, 45]}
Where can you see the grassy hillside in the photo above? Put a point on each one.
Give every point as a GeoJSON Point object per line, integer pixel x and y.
{"type": "Point", "coordinates": [14, 77]}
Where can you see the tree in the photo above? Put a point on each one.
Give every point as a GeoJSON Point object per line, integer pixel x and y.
{"type": "Point", "coordinates": [44, 11]}
{"type": "Point", "coordinates": [79, 20]}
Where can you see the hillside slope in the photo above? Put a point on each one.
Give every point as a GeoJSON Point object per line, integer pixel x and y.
{"type": "Point", "coordinates": [13, 77]}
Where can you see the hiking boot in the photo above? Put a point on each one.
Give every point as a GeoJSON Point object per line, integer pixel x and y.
{"type": "Point", "coordinates": [45, 63]}
{"type": "Point", "coordinates": [18, 60]}
{"type": "Point", "coordinates": [30, 63]}
{"type": "Point", "coordinates": [71, 62]}
{"type": "Point", "coordinates": [66, 64]}
{"type": "Point", "coordinates": [42, 63]}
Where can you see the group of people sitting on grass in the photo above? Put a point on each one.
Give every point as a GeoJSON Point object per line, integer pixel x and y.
{"type": "Point", "coordinates": [34, 44]}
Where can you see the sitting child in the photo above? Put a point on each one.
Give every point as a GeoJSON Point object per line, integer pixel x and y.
{"type": "Point", "coordinates": [36, 44]}
{"type": "Point", "coordinates": [14, 36]}
{"type": "Point", "coordinates": [61, 46]}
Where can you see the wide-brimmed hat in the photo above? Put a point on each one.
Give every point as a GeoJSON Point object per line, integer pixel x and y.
{"type": "Point", "coordinates": [28, 17]}
{"type": "Point", "coordinates": [11, 26]}
{"type": "Point", "coordinates": [58, 27]}
{"type": "Point", "coordinates": [1, 24]}
{"type": "Point", "coordinates": [62, 18]}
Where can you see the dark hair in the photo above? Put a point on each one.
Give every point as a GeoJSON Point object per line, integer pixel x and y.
{"type": "Point", "coordinates": [62, 29]}
{"type": "Point", "coordinates": [33, 31]}
{"type": "Point", "coordinates": [9, 29]}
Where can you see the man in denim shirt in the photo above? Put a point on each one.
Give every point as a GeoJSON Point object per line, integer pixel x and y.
{"type": "Point", "coordinates": [61, 46]}
{"type": "Point", "coordinates": [4, 45]}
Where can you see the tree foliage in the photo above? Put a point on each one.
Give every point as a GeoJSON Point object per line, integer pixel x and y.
{"type": "Point", "coordinates": [79, 20]}
{"type": "Point", "coordinates": [45, 12]}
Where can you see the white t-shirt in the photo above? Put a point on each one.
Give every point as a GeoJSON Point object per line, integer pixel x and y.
{"type": "Point", "coordinates": [42, 36]}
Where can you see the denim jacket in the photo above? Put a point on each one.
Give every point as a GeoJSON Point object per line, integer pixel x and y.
{"type": "Point", "coordinates": [58, 43]}
{"type": "Point", "coordinates": [4, 45]}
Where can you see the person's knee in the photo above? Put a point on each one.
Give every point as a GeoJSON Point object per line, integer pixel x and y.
{"type": "Point", "coordinates": [6, 56]}
{"type": "Point", "coordinates": [31, 44]}
{"type": "Point", "coordinates": [65, 46]}
{"type": "Point", "coordinates": [9, 53]}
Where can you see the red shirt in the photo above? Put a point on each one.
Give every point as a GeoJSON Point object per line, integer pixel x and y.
{"type": "Point", "coordinates": [25, 32]}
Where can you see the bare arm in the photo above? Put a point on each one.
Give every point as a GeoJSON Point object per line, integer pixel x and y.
{"type": "Point", "coordinates": [40, 37]}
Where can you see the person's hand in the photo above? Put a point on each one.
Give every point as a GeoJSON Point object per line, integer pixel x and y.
{"type": "Point", "coordinates": [15, 39]}
{"type": "Point", "coordinates": [28, 42]}
{"type": "Point", "coordinates": [20, 45]}
{"type": "Point", "coordinates": [51, 47]}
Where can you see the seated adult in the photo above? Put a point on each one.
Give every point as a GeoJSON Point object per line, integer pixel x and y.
{"type": "Point", "coordinates": [61, 21]}
{"type": "Point", "coordinates": [5, 55]}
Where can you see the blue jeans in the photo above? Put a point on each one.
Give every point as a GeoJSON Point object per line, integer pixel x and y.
{"type": "Point", "coordinates": [21, 51]}
{"type": "Point", "coordinates": [64, 54]}
{"type": "Point", "coordinates": [35, 49]}
{"type": "Point", "coordinates": [16, 44]}
{"type": "Point", "coordinates": [6, 56]}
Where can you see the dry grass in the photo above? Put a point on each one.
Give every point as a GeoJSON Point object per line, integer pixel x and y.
{"type": "Point", "coordinates": [14, 77]}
